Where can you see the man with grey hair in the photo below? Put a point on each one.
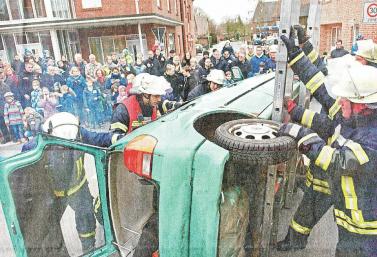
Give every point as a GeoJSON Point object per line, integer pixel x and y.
{"type": "Point", "coordinates": [91, 67]}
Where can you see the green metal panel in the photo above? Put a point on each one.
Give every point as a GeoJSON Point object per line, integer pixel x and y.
{"type": "Point", "coordinates": [18, 161]}
{"type": "Point", "coordinates": [208, 167]}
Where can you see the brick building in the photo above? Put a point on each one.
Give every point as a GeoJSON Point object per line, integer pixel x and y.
{"type": "Point", "coordinates": [66, 27]}
{"type": "Point", "coordinates": [267, 16]}
{"type": "Point", "coordinates": [343, 19]}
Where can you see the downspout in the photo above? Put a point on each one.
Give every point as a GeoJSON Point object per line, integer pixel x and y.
{"type": "Point", "coordinates": [139, 28]}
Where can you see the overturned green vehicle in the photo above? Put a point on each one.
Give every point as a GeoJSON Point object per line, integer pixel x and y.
{"type": "Point", "coordinates": [192, 168]}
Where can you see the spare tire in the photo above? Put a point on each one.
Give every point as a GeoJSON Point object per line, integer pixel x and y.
{"type": "Point", "coordinates": [254, 142]}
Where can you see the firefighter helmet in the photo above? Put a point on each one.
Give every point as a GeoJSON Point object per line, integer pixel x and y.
{"type": "Point", "coordinates": [152, 85]}
{"type": "Point", "coordinates": [358, 84]}
{"type": "Point", "coordinates": [63, 124]}
{"type": "Point", "coordinates": [368, 50]}
{"type": "Point", "coordinates": [216, 76]}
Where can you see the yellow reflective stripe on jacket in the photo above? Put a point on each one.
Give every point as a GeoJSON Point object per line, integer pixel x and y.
{"type": "Point", "coordinates": [360, 224]}
{"type": "Point", "coordinates": [79, 167]}
{"type": "Point", "coordinates": [119, 125]}
{"type": "Point", "coordinates": [349, 193]}
{"type": "Point", "coordinates": [300, 229]}
{"type": "Point", "coordinates": [114, 138]}
{"type": "Point", "coordinates": [334, 109]}
{"type": "Point", "coordinates": [298, 57]}
{"type": "Point", "coordinates": [307, 118]}
{"type": "Point", "coordinates": [313, 55]}
{"type": "Point", "coordinates": [307, 137]}
{"type": "Point", "coordinates": [354, 229]}
{"type": "Point", "coordinates": [309, 177]}
{"type": "Point", "coordinates": [72, 190]}
{"type": "Point", "coordinates": [324, 158]}
{"type": "Point", "coordinates": [87, 235]}
{"type": "Point", "coordinates": [315, 82]}
{"type": "Point", "coordinates": [321, 189]}
{"type": "Point", "coordinates": [357, 216]}
{"type": "Point", "coordinates": [97, 204]}
{"type": "Point", "coordinates": [320, 182]}
{"type": "Point", "coordinates": [358, 151]}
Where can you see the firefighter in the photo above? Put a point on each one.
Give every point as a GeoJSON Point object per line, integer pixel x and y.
{"type": "Point", "coordinates": [317, 194]}
{"type": "Point", "coordinates": [141, 108]}
{"type": "Point", "coordinates": [63, 175]}
{"type": "Point", "coordinates": [349, 162]}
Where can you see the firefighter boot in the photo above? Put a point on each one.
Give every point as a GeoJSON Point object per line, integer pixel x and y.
{"type": "Point", "coordinates": [293, 241]}
{"type": "Point", "coordinates": [88, 244]}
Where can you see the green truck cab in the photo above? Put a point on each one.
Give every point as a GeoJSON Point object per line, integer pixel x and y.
{"type": "Point", "coordinates": [172, 165]}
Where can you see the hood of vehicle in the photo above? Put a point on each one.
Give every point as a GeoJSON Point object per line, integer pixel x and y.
{"type": "Point", "coordinates": [250, 96]}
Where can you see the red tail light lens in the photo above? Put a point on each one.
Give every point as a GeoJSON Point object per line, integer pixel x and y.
{"type": "Point", "coordinates": [138, 155]}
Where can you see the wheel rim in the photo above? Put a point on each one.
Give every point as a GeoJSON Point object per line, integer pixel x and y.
{"type": "Point", "coordinates": [257, 131]}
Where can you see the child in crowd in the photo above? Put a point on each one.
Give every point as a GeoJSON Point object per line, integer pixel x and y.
{"type": "Point", "coordinates": [114, 93]}
{"type": "Point", "coordinates": [13, 117]}
{"type": "Point", "coordinates": [36, 95]}
{"type": "Point", "coordinates": [93, 104]}
{"type": "Point", "coordinates": [32, 121]}
{"type": "Point", "coordinates": [77, 83]}
{"type": "Point", "coordinates": [228, 78]}
{"type": "Point", "coordinates": [67, 99]}
{"type": "Point", "coordinates": [48, 102]}
{"type": "Point", "coordinates": [122, 94]}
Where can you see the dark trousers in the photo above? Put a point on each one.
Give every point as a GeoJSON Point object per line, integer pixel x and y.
{"type": "Point", "coordinates": [4, 130]}
{"type": "Point", "coordinates": [17, 131]}
{"type": "Point", "coordinates": [355, 245]}
{"type": "Point", "coordinates": [313, 206]}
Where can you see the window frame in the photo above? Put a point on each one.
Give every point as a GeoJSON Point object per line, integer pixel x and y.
{"type": "Point", "coordinates": [88, 4]}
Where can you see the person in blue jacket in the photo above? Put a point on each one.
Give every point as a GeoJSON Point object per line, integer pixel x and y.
{"type": "Point", "coordinates": [257, 59]}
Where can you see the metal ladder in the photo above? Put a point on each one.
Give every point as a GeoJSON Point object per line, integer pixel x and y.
{"type": "Point", "coordinates": [289, 16]}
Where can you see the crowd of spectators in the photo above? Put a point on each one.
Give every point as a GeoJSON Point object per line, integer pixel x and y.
{"type": "Point", "coordinates": [32, 88]}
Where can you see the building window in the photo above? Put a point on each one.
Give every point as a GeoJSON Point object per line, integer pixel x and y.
{"type": "Point", "coordinates": [15, 9]}
{"type": "Point", "coordinates": [61, 9]}
{"type": "Point", "coordinates": [10, 45]}
{"type": "Point", "coordinates": [168, 5]}
{"type": "Point", "coordinates": [104, 46]}
{"type": "Point", "coordinates": [171, 41]}
{"type": "Point", "coordinates": [158, 3]}
{"type": "Point", "coordinates": [39, 7]}
{"type": "Point", "coordinates": [4, 15]}
{"type": "Point", "coordinates": [336, 33]}
{"type": "Point", "coordinates": [69, 43]}
{"type": "Point", "coordinates": [176, 7]}
{"type": "Point", "coordinates": [86, 4]}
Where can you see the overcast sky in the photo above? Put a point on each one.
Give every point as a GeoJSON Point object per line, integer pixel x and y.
{"type": "Point", "coordinates": [220, 9]}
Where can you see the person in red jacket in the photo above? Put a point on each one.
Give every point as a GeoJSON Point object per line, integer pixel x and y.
{"type": "Point", "coordinates": [141, 107]}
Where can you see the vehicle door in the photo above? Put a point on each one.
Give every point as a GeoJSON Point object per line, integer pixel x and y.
{"type": "Point", "coordinates": [54, 201]}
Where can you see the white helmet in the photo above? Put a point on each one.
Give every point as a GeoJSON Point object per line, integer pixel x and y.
{"type": "Point", "coordinates": [273, 48]}
{"type": "Point", "coordinates": [367, 49]}
{"type": "Point", "coordinates": [145, 83]}
{"type": "Point", "coordinates": [63, 124]}
{"type": "Point", "coordinates": [216, 76]}
{"type": "Point", "coordinates": [358, 84]}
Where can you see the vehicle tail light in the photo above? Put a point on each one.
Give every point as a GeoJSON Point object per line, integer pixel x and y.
{"type": "Point", "coordinates": [138, 155]}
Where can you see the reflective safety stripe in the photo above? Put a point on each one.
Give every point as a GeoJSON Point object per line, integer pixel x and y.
{"type": "Point", "coordinates": [354, 229]}
{"type": "Point", "coordinates": [114, 138]}
{"type": "Point", "coordinates": [357, 216]}
{"type": "Point", "coordinates": [87, 235]}
{"type": "Point", "coordinates": [321, 189]}
{"type": "Point", "coordinates": [358, 151]}
{"type": "Point", "coordinates": [307, 118]}
{"type": "Point", "coordinates": [119, 125]}
{"type": "Point", "coordinates": [291, 63]}
{"type": "Point", "coordinates": [79, 167]}
{"type": "Point", "coordinates": [305, 138]}
{"type": "Point", "coordinates": [300, 229]}
{"type": "Point", "coordinates": [97, 204]}
{"type": "Point", "coordinates": [349, 193]}
{"type": "Point", "coordinates": [315, 82]}
{"type": "Point", "coordinates": [334, 109]}
{"type": "Point", "coordinates": [335, 136]}
{"type": "Point", "coordinates": [72, 190]}
{"type": "Point", "coordinates": [353, 222]}
{"type": "Point", "coordinates": [309, 177]}
{"type": "Point", "coordinates": [322, 183]}
{"type": "Point", "coordinates": [313, 56]}
{"type": "Point", "coordinates": [324, 158]}
{"type": "Point", "coordinates": [294, 130]}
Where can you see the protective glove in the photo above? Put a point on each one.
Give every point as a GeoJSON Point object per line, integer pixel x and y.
{"type": "Point", "coordinates": [291, 130]}
{"type": "Point", "coordinates": [301, 34]}
{"type": "Point", "coordinates": [290, 43]}
{"type": "Point", "coordinates": [298, 132]}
